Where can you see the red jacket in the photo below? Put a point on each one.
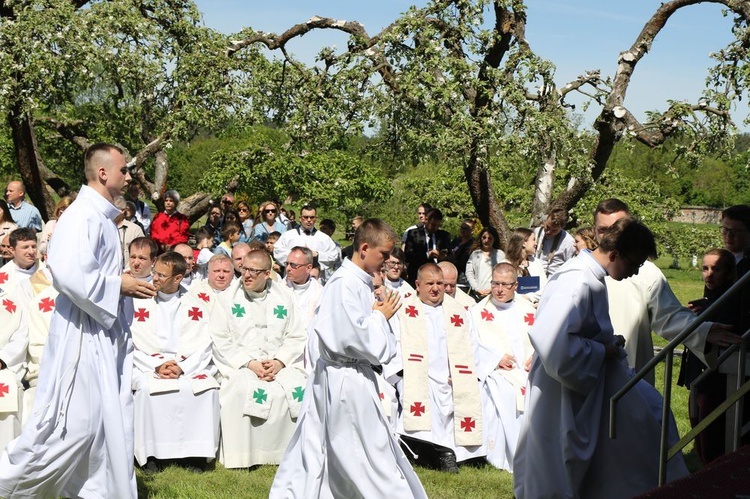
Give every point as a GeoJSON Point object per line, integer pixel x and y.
{"type": "Point", "coordinates": [169, 230]}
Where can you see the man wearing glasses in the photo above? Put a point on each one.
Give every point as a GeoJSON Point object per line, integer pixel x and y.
{"type": "Point", "coordinates": [306, 290]}
{"type": "Point", "coordinates": [735, 232]}
{"type": "Point", "coordinates": [259, 341]}
{"type": "Point", "coordinates": [502, 325]}
{"type": "Point", "coordinates": [173, 373]}
{"type": "Point", "coordinates": [324, 250]}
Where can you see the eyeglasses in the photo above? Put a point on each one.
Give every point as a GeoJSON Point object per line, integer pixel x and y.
{"type": "Point", "coordinates": [726, 231]}
{"type": "Point", "coordinates": [296, 265]}
{"type": "Point", "coordinates": [505, 285]}
{"type": "Point", "coordinates": [226, 201]}
{"type": "Point", "coordinates": [308, 217]}
{"type": "Point", "coordinates": [253, 272]}
{"type": "Point", "coordinates": [392, 265]}
{"type": "Point", "coordinates": [243, 209]}
{"type": "Point", "coordinates": [269, 211]}
{"type": "Point", "coordinates": [161, 276]}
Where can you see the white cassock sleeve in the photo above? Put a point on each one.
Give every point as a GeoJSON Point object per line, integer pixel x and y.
{"type": "Point", "coordinates": [227, 352]}
{"type": "Point", "coordinates": [13, 353]}
{"type": "Point", "coordinates": [197, 361]}
{"type": "Point", "coordinates": [328, 252]}
{"type": "Point", "coordinates": [283, 246]}
{"type": "Point", "coordinates": [570, 358]}
{"type": "Point", "coordinates": [294, 341]}
{"type": "Point", "coordinates": [146, 363]}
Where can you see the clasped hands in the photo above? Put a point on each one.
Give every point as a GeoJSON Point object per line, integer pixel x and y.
{"type": "Point", "coordinates": [267, 369]}
{"type": "Point", "coordinates": [169, 370]}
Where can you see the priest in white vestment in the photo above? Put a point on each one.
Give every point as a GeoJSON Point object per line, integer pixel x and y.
{"type": "Point", "coordinates": [14, 338]}
{"type": "Point", "coordinates": [342, 446]}
{"type": "Point", "coordinates": [450, 280]}
{"type": "Point", "coordinates": [564, 449]}
{"type": "Point", "coordinates": [258, 346]}
{"type": "Point", "coordinates": [192, 274]}
{"type": "Point", "coordinates": [24, 263]}
{"type": "Point", "coordinates": [176, 394]}
{"type": "Point", "coordinates": [37, 296]}
{"type": "Point", "coordinates": [304, 287]}
{"type": "Point", "coordinates": [78, 442]}
{"type": "Point", "coordinates": [325, 250]}
{"type": "Point", "coordinates": [219, 274]}
{"type": "Point", "coordinates": [437, 376]}
{"type": "Point", "coordinates": [502, 321]}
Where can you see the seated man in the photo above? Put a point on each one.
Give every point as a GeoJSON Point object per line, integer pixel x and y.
{"type": "Point", "coordinates": [450, 278]}
{"type": "Point", "coordinates": [143, 251]}
{"type": "Point", "coordinates": [192, 274]}
{"type": "Point", "coordinates": [258, 346]}
{"type": "Point", "coordinates": [306, 290]}
{"type": "Point", "coordinates": [218, 278]}
{"type": "Point", "coordinates": [14, 339]}
{"type": "Point", "coordinates": [24, 262]}
{"type": "Point", "coordinates": [502, 324]}
{"type": "Point", "coordinates": [176, 396]}
{"type": "Point", "coordinates": [436, 376]}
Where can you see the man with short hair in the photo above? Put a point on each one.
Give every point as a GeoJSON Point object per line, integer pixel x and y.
{"type": "Point", "coordinates": [143, 251]}
{"type": "Point", "coordinates": [322, 246]}
{"type": "Point", "coordinates": [24, 262]}
{"type": "Point", "coordinates": [6, 250]}
{"type": "Point", "coordinates": [645, 302]}
{"type": "Point", "coordinates": [24, 214]}
{"type": "Point", "coordinates": [422, 210]}
{"type": "Point", "coordinates": [554, 245]}
{"type": "Point", "coordinates": [258, 346]}
{"type": "Point", "coordinates": [502, 326]}
{"type": "Point", "coordinates": [735, 232]}
{"type": "Point", "coordinates": [191, 273]}
{"type": "Point", "coordinates": [306, 290]}
{"type": "Point", "coordinates": [219, 273]}
{"type": "Point", "coordinates": [142, 212]}
{"type": "Point", "coordinates": [426, 243]}
{"type": "Point", "coordinates": [394, 269]}
{"type": "Point", "coordinates": [450, 279]}
{"type": "Point", "coordinates": [174, 375]}
{"type": "Point", "coordinates": [436, 376]}
{"type": "Point", "coordinates": [238, 254]}
{"type": "Point", "coordinates": [128, 231]}
{"type": "Point", "coordinates": [79, 439]}
{"type": "Point", "coordinates": [349, 250]}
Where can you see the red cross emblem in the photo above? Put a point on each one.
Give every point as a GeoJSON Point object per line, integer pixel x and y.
{"type": "Point", "coordinates": [158, 355]}
{"type": "Point", "coordinates": [382, 395]}
{"type": "Point", "coordinates": [407, 295]}
{"type": "Point", "coordinates": [200, 376]}
{"type": "Point", "coordinates": [457, 320]}
{"type": "Point", "coordinates": [417, 409]}
{"type": "Point", "coordinates": [195, 313]}
{"type": "Point", "coordinates": [523, 391]}
{"type": "Point", "coordinates": [3, 277]}
{"type": "Point", "coordinates": [46, 304]}
{"type": "Point", "coordinates": [487, 315]}
{"type": "Point", "coordinates": [529, 319]}
{"type": "Point", "coordinates": [141, 315]}
{"type": "Point", "coordinates": [204, 297]}
{"type": "Point", "coordinates": [468, 424]}
{"type": "Point", "coordinates": [4, 390]}
{"type": "Point", "coordinates": [411, 311]}
{"type": "Point", "coordinates": [9, 306]}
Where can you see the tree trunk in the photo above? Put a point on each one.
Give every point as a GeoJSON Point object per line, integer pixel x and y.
{"type": "Point", "coordinates": [195, 206]}
{"type": "Point", "coordinates": [483, 195]}
{"type": "Point", "coordinates": [29, 162]}
{"type": "Point", "coordinates": [543, 185]}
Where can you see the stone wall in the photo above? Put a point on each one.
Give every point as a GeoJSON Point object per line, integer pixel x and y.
{"type": "Point", "coordinates": [698, 215]}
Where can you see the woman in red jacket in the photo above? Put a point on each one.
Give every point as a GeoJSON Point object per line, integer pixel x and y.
{"type": "Point", "coordinates": [170, 227]}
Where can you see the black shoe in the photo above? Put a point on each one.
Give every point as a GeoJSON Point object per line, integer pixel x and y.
{"type": "Point", "coordinates": [447, 462]}
{"type": "Point", "coordinates": [151, 467]}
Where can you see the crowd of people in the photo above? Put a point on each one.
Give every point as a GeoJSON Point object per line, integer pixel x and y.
{"type": "Point", "coordinates": [258, 339]}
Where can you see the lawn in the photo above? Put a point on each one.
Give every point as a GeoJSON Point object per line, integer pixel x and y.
{"type": "Point", "coordinates": [469, 483]}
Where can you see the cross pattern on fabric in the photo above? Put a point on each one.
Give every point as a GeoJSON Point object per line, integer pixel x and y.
{"type": "Point", "coordinates": [468, 424]}
{"type": "Point", "coordinates": [9, 306]}
{"type": "Point", "coordinates": [411, 311]}
{"type": "Point", "coordinates": [462, 369]}
{"type": "Point", "coordinates": [417, 409]}
{"type": "Point", "coordinates": [204, 297]}
{"type": "Point", "coordinates": [382, 395]}
{"type": "Point", "coordinates": [260, 396]}
{"type": "Point", "coordinates": [280, 312]}
{"type": "Point", "coordinates": [3, 277]}
{"type": "Point", "coordinates": [46, 304]}
{"type": "Point", "coordinates": [457, 321]}
{"type": "Point", "coordinates": [4, 390]}
{"type": "Point", "coordinates": [487, 315]}
{"type": "Point", "coordinates": [298, 393]}
{"type": "Point", "coordinates": [141, 315]}
{"type": "Point", "coordinates": [200, 376]}
{"type": "Point", "coordinates": [415, 357]}
{"type": "Point", "coordinates": [407, 295]}
{"type": "Point", "coordinates": [529, 319]}
{"type": "Point", "coordinates": [195, 314]}
{"type": "Point", "coordinates": [238, 310]}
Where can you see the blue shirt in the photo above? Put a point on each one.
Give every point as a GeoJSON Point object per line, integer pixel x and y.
{"type": "Point", "coordinates": [26, 215]}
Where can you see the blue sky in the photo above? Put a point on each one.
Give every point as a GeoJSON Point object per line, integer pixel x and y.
{"type": "Point", "coordinates": [576, 35]}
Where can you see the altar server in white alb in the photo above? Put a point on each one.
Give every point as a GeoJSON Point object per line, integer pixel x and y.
{"type": "Point", "coordinates": [14, 338]}
{"type": "Point", "coordinates": [564, 449]}
{"type": "Point", "coordinates": [502, 323]}
{"type": "Point", "coordinates": [394, 271]}
{"type": "Point", "coordinates": [79, 440]}
{"type": "Point", "coordinates": [436, 376]}
{"type": "Point", "coordinates": [259, 342]}
{"type": "Point", "coordinates": [342, 446]}
{"type": "Point", "coordinates": [38, 297]}
{"type": "Point", "coordinates": [305, 288]}
{"type": "Point", "coordinates": [324, 249]}
{"type": "Point", "coordinates": [176, 394]}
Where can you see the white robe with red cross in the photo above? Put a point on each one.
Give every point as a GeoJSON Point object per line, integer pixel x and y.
{"type": "Point", "coordinates": [13, 341]}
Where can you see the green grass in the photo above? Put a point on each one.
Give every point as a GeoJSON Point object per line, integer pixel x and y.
{"type": "Point", "coordinates": [469, 483]}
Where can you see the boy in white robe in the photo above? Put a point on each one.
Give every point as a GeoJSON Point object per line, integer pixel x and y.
{"type": "Point", "coordinates": [564, 449]}
{"type": "Point", "coordinates": [436, 376]}
{"type": "Point", "coordinates": [394, 269]}
{"type": "Point", "coordinates": [258, 345]}
{"type": "Point", "coordinates": [502, 325]}
{"type": "Point", "coordinates": [176, 395]}
{"type": "Point", "coordinates": [342, 446]}
{"type": "Point", "coordinates": [14, 339]}
{"type": "Point", "coordinates": [79, 439]}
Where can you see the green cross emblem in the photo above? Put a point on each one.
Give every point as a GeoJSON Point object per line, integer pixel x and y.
{"type": "Point", "coordinates": [280, 312]}
{"type": "Point", "coordinates": [238, 310]}
{"type": "Point", "coordinates": [260, 396]}
{"type": "Point", "coordinates": [298, 393]}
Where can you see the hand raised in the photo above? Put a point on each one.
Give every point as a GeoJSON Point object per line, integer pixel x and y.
{"type": "Point", "coordinates": [130, 286]}
{"type": "Point", "coordinates": [390, 304]}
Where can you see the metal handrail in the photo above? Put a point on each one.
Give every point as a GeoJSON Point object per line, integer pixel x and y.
{"type": "Point", "coordinates": [667, 353]}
